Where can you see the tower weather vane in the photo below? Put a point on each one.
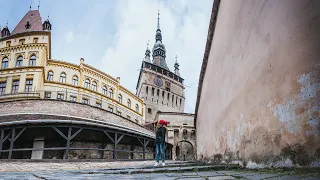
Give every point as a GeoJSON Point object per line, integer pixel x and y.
{"type": "Point", "coordinates": [39, 5]}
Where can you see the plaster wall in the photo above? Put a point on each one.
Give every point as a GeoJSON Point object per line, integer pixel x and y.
{"type": "Point", "coordinates": [260, 100]}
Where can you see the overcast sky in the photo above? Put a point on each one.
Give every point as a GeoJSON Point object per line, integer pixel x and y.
{"type": "Point", "coordinates": [112, 35]}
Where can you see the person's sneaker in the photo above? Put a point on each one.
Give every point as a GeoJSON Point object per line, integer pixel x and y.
{"type": "Point", "coordinates": [163, 164]}
{"type": "Point", "coordinates": [156, 164]}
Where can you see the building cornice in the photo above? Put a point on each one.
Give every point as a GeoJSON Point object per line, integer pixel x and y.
{"type": "Point", "coordinates": [20, 68]}
{"type": "Point", "coordinates": [93, 92]}
{"type": "Point", "coordinates": [115, 81]}
{"type": "Point", "coordinates": [130, 93]}
{"type": "Point", "coordinates": [31, 33]}
{"type": "Point", "coordinates": [24, 46]}
{"type": "Point", "coordinates": [212, 25]}
{"type": "Point", "coordinates": [65, 64]}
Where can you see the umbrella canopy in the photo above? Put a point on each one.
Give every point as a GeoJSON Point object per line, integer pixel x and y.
{"type": "Point", "coordinates": [164, 122]}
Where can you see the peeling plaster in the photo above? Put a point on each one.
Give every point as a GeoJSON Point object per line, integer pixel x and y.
{"type": "Point", "coordinates": [234, 135]}
{"type": "Point", "coordinates": [308, 90]}
{"type": "Point", "coordinates": [287, 116]}
{"type": "Point", "coordinates": [278, 164]}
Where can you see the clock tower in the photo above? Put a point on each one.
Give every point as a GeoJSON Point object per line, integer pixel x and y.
{"type": "Point", "coordinates": [161, 89]}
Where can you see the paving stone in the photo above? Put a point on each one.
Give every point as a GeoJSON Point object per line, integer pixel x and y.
{"type": "Point", "coordinates": [221, 177]}
{"type": "Point", "coordinates": [197, 178]}
{"type": "Point", "coordinates": [256, 176]}
{"type": "Point", "coordinates": [312, 178]}
{"type": "Point", "coordinates": [208, 173]}
{"type": "Point", "coordinates": [286, 178]}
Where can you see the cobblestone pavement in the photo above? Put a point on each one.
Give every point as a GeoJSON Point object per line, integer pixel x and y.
{"type": "Point", "coordinates": [173, 171]}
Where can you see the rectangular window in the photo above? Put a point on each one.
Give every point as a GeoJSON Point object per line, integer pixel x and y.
{"type": "Point", "coordinates": [98, 104]}
{"type": "Point", "coordinates": [149, 110]}
{"type": "Point", "coordinates": [15, 86]}
{"type": "Point", "coordinates": [110, 109]}
{"type": "Point", "coordinates": [152, 91]}
{"type": "Point", "coordinates": [8, 43]}
{"type": "Point", "coordinates": [35, 40]}
{"type": "Point", "coordinates": [73, 98]}
{"type": "Point", "coordinates": [29, 85]}
{"type": "Point", "coordinates": [119, 113]}
{"type": "Point", "coordinates": [85, 101]}
{"type": "Point", "coordinates": [60, 96]}
{"type": "Point", "coordinates": [47, 95]}
{"type": "Point", "coordinates": [2, 88]}
{"type": "Point", "coordinates": [21, 42]}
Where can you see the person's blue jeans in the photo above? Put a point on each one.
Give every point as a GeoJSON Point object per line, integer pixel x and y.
{"type": "Point", "coordinates": [159, 150]}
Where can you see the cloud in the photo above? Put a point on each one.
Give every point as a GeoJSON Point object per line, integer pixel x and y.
{"type": "Point", "coordinates": [184, 25]}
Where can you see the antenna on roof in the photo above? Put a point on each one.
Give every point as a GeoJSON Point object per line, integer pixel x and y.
{"type": "Point", "coordinates": [39, 5]}
{"type": "Point", "coordinates": [48, 15]}
{"type": "Point", "coordinates": [7, 22]}
{"type": "Point", "coordinates": [30, 5]}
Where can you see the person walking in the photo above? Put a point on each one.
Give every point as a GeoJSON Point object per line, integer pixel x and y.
{"type": "Point", "coordinates": [160, 141]}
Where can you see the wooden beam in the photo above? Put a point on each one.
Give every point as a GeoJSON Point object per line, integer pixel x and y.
{"type": "Point", "coordinates": [109, 136]}
{"type": "Point", "coordinates": [61, 134]}
{"type": "Point", "coordinates": [119, 139]}
{"type": "Point", "coordinates": [76, 133]}
{"type": "Point", "coordinates": [68, 144]}
{"type": "Point", "coordinates": [11, 142]}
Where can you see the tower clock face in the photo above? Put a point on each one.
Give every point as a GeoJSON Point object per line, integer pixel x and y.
{"type": "Point", "coordinates": [157, 81]}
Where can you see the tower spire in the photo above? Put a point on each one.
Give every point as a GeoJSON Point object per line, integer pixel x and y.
{"type": "Point", "coordinates": [176, 67]}
{"type": "Point", "coordinates": [147, 53]}
{"type": "Point", "coordinates": [159, 50]}
{"type": "Point", "coordinates": [158, 26]}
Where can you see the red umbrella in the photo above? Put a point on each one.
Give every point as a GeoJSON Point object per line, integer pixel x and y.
{"type": "Point", "coordinates": [164, 122]}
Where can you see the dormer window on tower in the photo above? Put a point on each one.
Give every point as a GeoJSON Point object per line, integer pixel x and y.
{"type": "Point", "coordinates": [28, 25]}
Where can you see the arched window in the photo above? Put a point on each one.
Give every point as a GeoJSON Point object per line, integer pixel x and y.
{"type": "Point", "coordinates": [4, 63]}
{"type": "Point", "coordinates": [32, 61]}
{"type": "Point", "coordinates": [19, 61]}
{"type": "Point", "coordinates": [104, 90]}
{"type": "Point", "coordinates": [137, 107]}
{"type": "Point", "coordinates": [110, 93]}
{"type": "Point", "coordinates": [120, 98]}
{"type": "Point", "coordinates": [75, 80]}
{"type": "Point", "coordinates": [50, 76]}
{"type": "Point", "coordinates": [94, 86]}
{"type": "Point", "coordinates": [63, 77]}
{"type": "Point", "coordinates": [129, 103]}
{"type": "Point", "coordinates": [87, 83]}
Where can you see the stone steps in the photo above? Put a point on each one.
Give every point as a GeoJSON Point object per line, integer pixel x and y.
{"type": "Point", "coordinates": [170, 168]}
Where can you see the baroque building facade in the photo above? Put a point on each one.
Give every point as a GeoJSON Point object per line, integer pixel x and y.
{"type": "Point", "coordinates": [52, 109]}
{"type": "Point", "coordinates": [28, 70]}
{"type": "Point", "coordinates": [163, 92]}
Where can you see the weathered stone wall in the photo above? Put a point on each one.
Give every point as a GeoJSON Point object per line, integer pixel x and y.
{"type": "Point", "coordinates": [260, 99]}
{"type": "Point", "coordinates": [181, 134]}
{"type": "Point", "coordinates": [77, 110]}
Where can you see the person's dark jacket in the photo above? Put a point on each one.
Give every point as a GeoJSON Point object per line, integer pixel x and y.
{"type": "Point", "coordinates": [160, 135]}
